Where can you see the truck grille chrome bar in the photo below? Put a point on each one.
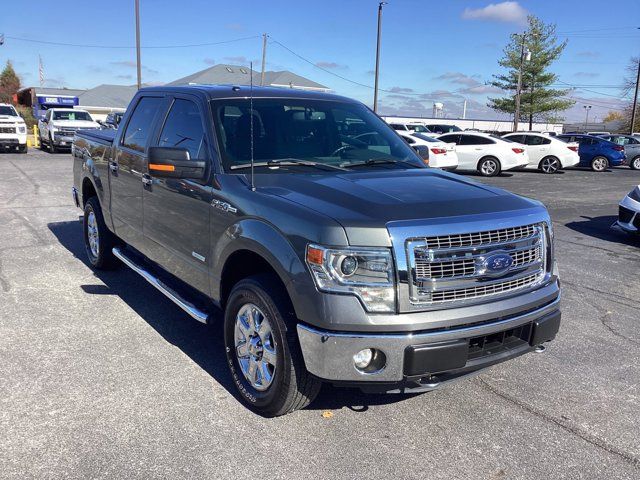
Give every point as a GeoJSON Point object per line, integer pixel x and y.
{"type": "Point", "coordinates": [460, 268]}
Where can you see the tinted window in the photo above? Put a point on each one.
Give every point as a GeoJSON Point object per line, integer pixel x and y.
{"type": "Point", "coordinates": [140, 124]}
{"type": "Point", "coordinates": [475, 140]}
{"type": "Point", "coordinates": [7, 110]}
{"type": "Point", "coordinates": [397, 126]}
{"type": "Point", "coordinates": [183, 128]}
{"type": "Point", "coordinates": [515, 138]}
{"type": "Point", "coordinates": [450, 138]}
{"type": "Point", "coordinates": [586, 141]}
{"type": "Point", "coordinates": [444, 128]}
{"type": "Point", "coordinates": [536, 140]}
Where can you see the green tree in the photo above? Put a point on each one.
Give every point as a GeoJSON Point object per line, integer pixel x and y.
{"type": "Point", "coordinates": [9, 83]}
{"type": "Point", "coordinates": [538, 101]}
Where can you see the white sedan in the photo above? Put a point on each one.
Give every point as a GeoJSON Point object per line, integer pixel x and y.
{"type": "Point", "coordinates": [546, 153]}
{"type": "Point", "coordinates": [488, 154]}
{"type": "Point", "coordinates": [439, 154]}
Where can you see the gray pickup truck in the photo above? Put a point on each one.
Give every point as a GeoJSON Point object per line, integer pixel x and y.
{"type": "Point", "coordinates": [335, 254]}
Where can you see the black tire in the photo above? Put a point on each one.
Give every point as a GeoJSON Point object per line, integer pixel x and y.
{"type": "Point", "coordinates": [52, 147]}
{"type": "Point", "coordinates": [103, 259]}
{"type": "Point", "coordinates": [549, 165]}
{"type": "Point", "coordinates": [599, 163]}
{"type": "Point", "coordinates": [489, 166]}
{"type": "Point", "coordinates": [23, 149]}
{"type": "Point", "coordinates": [634, 164]}
{"type": "Point", "coordinates": [292, 387]}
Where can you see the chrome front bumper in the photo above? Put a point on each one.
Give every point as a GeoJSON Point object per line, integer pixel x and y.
{"type": "Point", "coordinates": [329, 355]}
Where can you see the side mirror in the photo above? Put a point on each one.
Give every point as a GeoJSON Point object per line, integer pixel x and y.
{"type": "Point", "coordinates": [172, 162]}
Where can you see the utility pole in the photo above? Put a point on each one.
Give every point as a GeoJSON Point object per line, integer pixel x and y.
{"type": "Point", "coordinates": [516, 114]}
{"type": "Point", "coordinates": [375, 87]}
{"type": "Point", "coordinates": [464, 109]}
{"type": "Point", "coordinates": [635, 101]}
{"type": "Point", "coordinates": [139, 69]}
{"type": "Point", "coordinates": [586, 119]}
{"type": "Point", "coordinates": [264, 58]}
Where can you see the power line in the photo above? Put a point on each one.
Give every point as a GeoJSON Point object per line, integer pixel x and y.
{"type": "Point", "coordinates": [79, 45]}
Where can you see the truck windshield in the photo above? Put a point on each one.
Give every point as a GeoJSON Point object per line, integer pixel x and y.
{"type": "Point", "coordinates": [71, 115]}
{"type": "Point", "coordinates": [318, 132]}
{"type": "Point", "coordinates": [8, 110]}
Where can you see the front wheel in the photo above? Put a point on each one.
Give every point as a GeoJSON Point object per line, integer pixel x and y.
{"type": "Point", "coordinates": [489, 167]}
{"type": "Point", "coordinates": [599, 164]}
{"type": "Point", "coordinates": [635, 163]}
{"type": "Point", "coordinates": [52, 147]}
{"type": "Point", "coordinates": [23, 149]}
{"type": "Point", "coordinates": [550, 165]}
{"type": "Point", "coordinates": [262, 348]}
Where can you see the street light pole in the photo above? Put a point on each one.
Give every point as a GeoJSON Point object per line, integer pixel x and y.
{"type": "Point", "coordinates": [635, 101]}
{"type": "Point", "coordinates": [516, 113]}
{"type": "Point", "coordinates": [586, 120]}
{"type": "Point", "coordinates": [375, 87]}
{"type": "Point", "coordinates": [138, 43]}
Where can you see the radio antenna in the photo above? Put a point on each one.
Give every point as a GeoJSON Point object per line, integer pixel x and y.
{"type": "Point", "coordinates": [253, 186]}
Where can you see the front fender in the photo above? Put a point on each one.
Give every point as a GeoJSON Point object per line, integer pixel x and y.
{"type": "Point", "coordinates": [267, 241]}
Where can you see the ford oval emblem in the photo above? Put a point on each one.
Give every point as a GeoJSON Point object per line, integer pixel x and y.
{"type": "Point", "coordinates": [498, 263]}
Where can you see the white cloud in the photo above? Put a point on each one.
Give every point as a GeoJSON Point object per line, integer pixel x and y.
{"type": "Point", "coordinates": [509, 12]}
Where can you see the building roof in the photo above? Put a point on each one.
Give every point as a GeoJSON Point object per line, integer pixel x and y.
{"type": "Point", "coordinates": [55, 92]}
{"type": "Point", "coordinates": [223, 74]}
{"type": "Point", "coordinates": [111, 96]}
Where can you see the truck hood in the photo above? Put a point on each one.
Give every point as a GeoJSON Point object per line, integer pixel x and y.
{"type": "Point", "coordinates": [11, 118]}
{"type": "Point", "coordinates": [365, 202]}
{"type": "Point", "coordinates": [75, 123]}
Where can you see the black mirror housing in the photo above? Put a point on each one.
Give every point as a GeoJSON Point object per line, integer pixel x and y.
{"type": "Point", "coordinates": [170, 162]}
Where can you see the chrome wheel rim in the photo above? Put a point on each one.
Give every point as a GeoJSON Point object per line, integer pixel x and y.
{"type": "Point", "coordinates": [549, 165]}
{"type": "Point", "coordinates": [599, 164]}
{"type": "Point", "coordinates": [636, 163]}
{"type": "Point", "coordinates": [255, 348]}
{"type": "Point", "coordinates": [489, 167]}
{"type": "Point", "coordinates": [92, 234]}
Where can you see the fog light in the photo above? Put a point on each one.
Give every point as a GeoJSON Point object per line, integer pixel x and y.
{"type": "Point", "coordinates": [363, 358]}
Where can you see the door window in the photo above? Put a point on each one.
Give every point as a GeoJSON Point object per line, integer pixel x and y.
{"type": "Point", "coordinates": [450, 139]}
{"type": "Point", "coordinates": [516, 138]}
{"type": "Point", "coordinates": [536, 140]}
{"type": "Point", "coordinates": [475, 140]}
{"type": "Point", "coordinates": [183, 129]}
{"type": "Point", "coordinates": [137, 133]}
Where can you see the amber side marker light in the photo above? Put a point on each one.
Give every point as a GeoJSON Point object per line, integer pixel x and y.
{"type": "Point", "coordinates": [162, 168]}
{"type": "Point", "coordinates": [314, 255]}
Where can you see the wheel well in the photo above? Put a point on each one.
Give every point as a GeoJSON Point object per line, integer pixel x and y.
{"type": "Point", "coordinates": [88, 191]}
{"type": "Point", "coordinates": [242, 264]}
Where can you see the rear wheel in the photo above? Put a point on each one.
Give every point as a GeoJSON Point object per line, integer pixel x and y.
{"type": "Point", "coordinates": [635, 163]}
{"type": "Point", "coordinates": [98, 240]}
{"type": "Point", "coordinates": [262, 348]}
{"type": "Point", "coordinates": [599, 164]}
{"type": "Point", "coordinates": [489, 167]}
{"type": "Point", "coordinates": [550, 165]}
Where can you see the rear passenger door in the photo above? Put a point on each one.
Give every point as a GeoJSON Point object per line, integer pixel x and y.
{"type": "Point", "coordinates": [537, 148]}
{"type": "Point", "coordinates": [176, 210]}
{"type": "Point", "coordinates": [471, 149]}
{"type": "Point", "coordinates": [128, 166]}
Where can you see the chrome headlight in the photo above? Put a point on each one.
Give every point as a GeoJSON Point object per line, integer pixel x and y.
{"type": "Point", "coordinates": [367, 273]}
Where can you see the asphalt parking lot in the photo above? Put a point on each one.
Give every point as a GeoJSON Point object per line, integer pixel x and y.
{"type": "Point", "coordinates": [101, 376]}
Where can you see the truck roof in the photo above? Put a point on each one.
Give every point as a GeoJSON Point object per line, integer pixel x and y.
{"type": "Point", "coordinates": [242, 91]}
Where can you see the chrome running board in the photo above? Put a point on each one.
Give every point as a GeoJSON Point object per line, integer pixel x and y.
{"type": "Point", "coordinates": [167, 291]}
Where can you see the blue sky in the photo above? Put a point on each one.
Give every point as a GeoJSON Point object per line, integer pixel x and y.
{"type": "Point", "coordinates": [432, 50]}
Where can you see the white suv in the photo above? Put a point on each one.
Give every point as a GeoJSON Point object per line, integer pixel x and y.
{"type": "Point", "coordinates": [59, 125]}
{"type": "Point", "coordinates": [546, 153]}
{"type": "Point", "coordinates": [13, 130]}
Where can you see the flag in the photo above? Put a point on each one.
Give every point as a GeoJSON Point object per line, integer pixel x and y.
{"type": "Point", "coordinates": [41, 71]}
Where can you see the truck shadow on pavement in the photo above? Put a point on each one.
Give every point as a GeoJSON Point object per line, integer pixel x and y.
{"type": "Point", "coordinates": [600, 228]}
{"type": "Point", "coordinates": [202, 343]}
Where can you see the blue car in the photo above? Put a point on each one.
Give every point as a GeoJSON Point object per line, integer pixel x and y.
{"type": "Point", "coordinates": [595, 152]}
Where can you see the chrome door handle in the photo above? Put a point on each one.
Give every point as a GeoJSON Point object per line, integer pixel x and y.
{"type": "Point", "coordinates": [146, 179]}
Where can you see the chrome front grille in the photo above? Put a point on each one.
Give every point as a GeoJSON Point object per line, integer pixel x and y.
{"type": "Point", "coordinates": [7, 129]}
{"type": "Point", "coordinates": [480, 238]}
{"type": "Point", "coordinates": [461, 267]}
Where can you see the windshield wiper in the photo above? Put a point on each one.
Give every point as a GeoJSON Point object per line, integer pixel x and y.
{"type": "Point", "coordinates": [288, 162]}
{"type": "Point", "coordinates": [376, 161]}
